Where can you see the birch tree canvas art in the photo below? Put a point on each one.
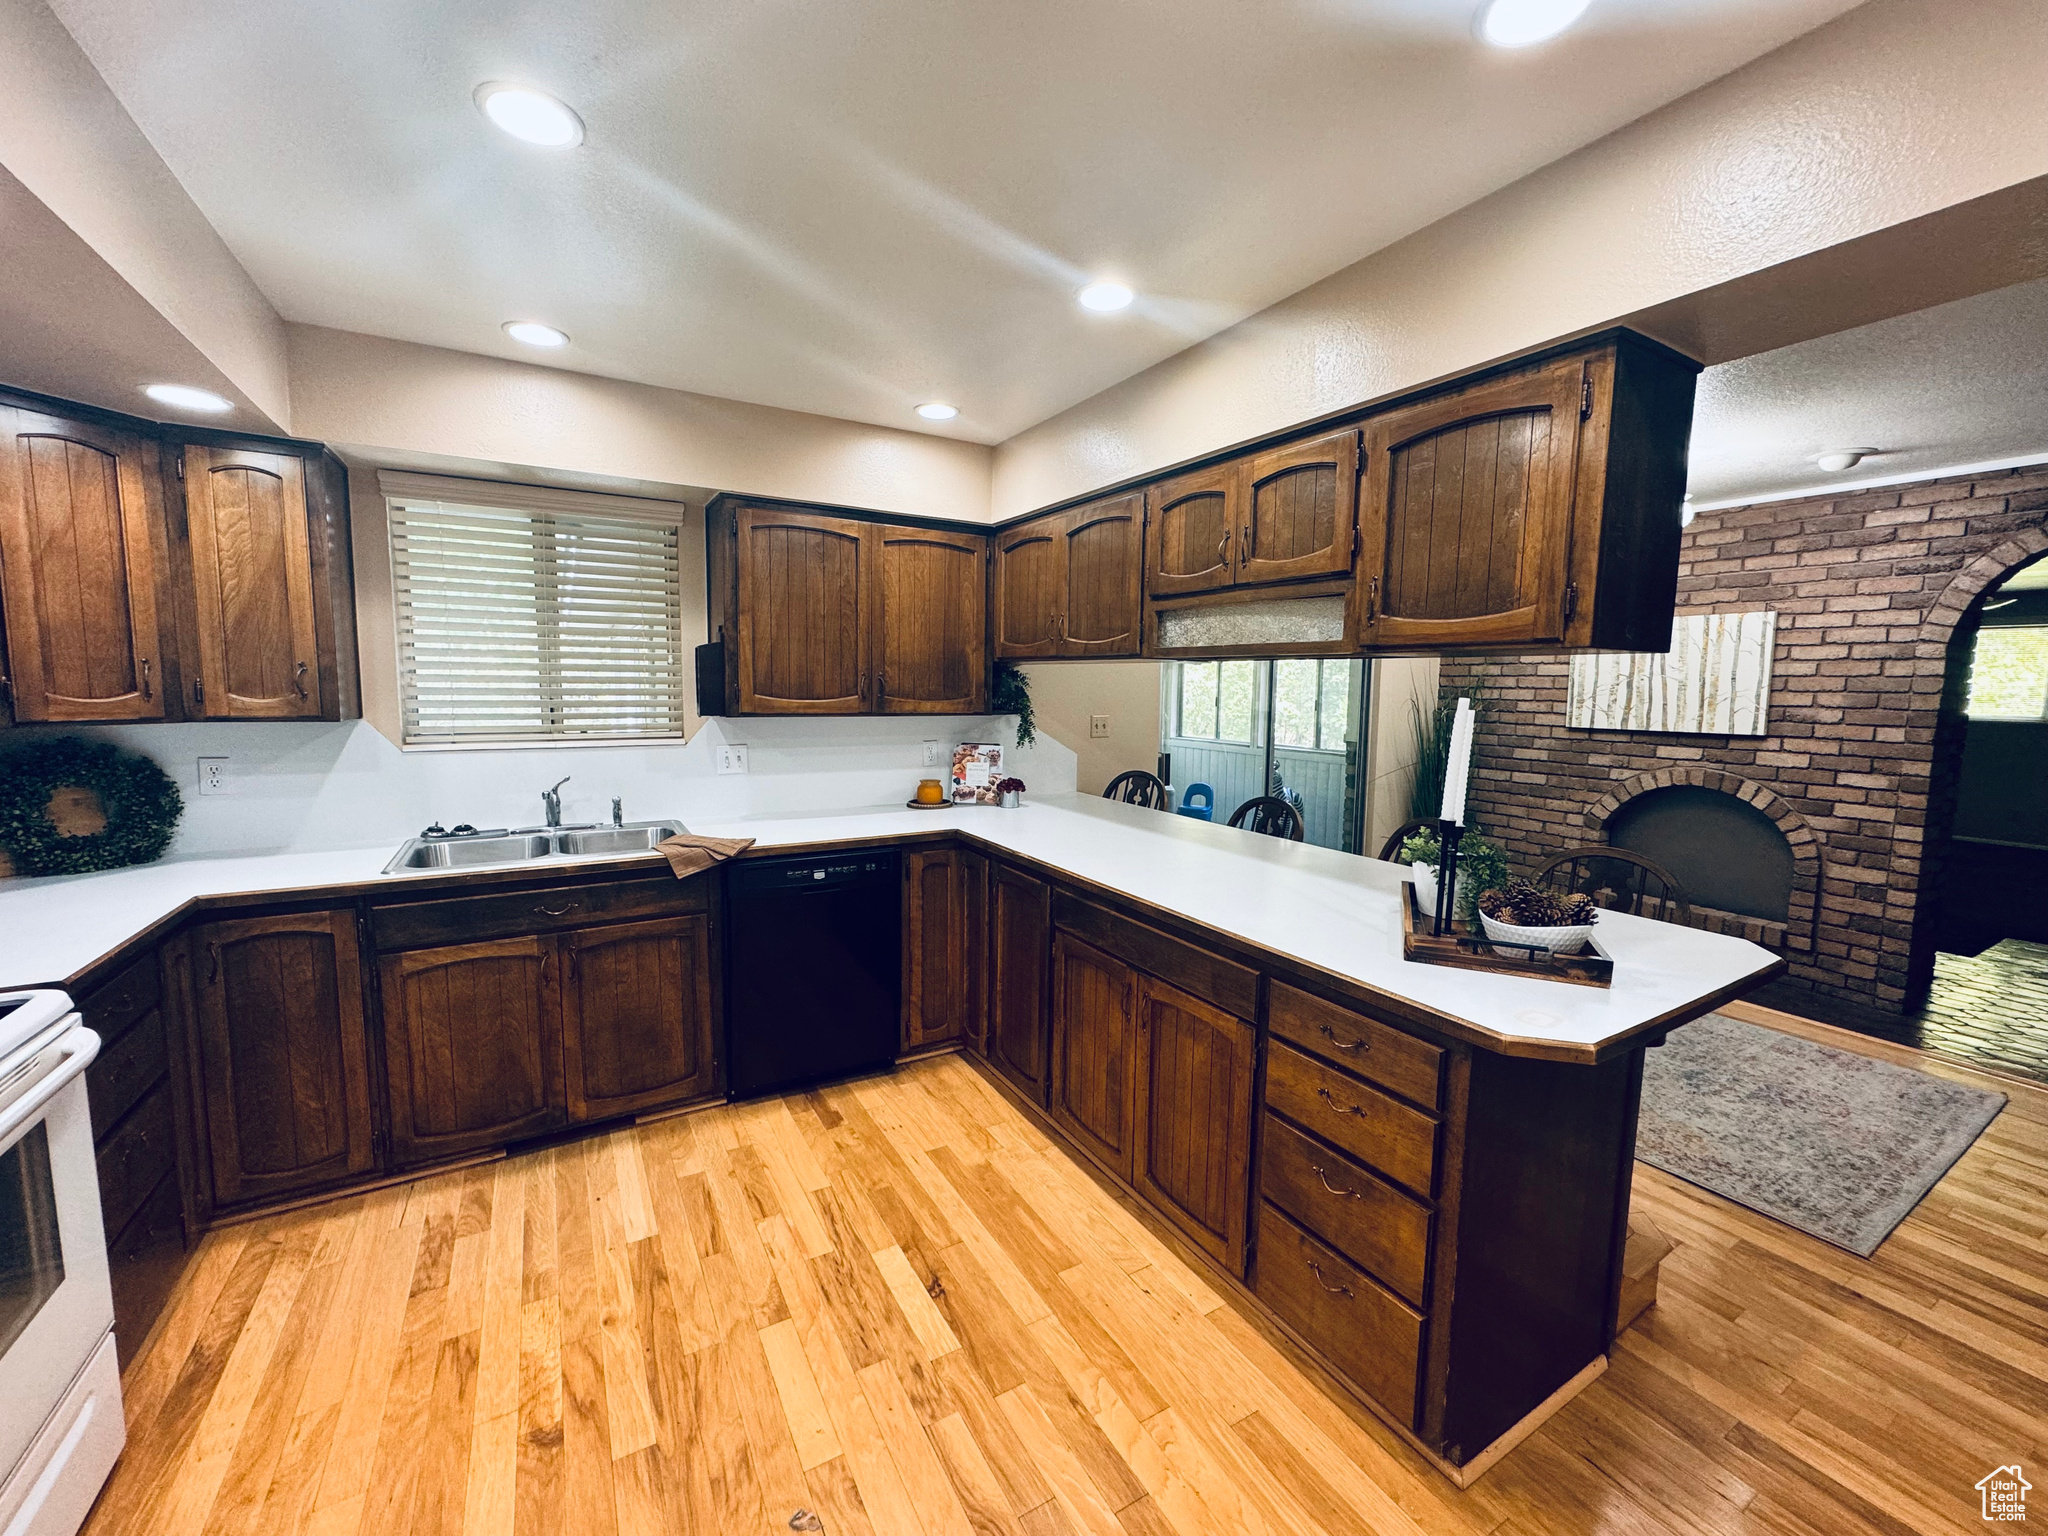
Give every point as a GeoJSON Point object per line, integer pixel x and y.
{"type": "Point", "coordinates": [1714, 681]}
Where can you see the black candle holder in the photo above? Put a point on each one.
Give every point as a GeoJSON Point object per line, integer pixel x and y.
{"type": "Point", "coordinates": [1446, 915]}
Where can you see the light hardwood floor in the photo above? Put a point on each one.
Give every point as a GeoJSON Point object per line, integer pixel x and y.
{"type": "Point", "coordinates": [895, 1304]}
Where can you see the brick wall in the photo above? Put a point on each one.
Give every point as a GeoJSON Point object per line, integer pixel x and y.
{"type": "Point", "coordinates": [1861, 761]}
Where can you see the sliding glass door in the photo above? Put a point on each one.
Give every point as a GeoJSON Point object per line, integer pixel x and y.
{"type": "Point", "coordinates": [1251, 728]}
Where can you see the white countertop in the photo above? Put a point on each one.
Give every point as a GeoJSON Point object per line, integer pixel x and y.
{"type": "Point", "coordinates": [1332, 911]}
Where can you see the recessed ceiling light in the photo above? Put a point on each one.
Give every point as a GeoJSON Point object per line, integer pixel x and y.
{"type": "Point", "coordinates": [1523, 23]}
{"type": "Point", "coordinates": [1843, 458]}
{"type": "Point", "coordinates": [534, 334]}
{"type": "Point", "coordinates": [527, 114]}
{"type": "Point", "coordinates": [933, 410]}
{"type": "Point", "coordinates": [185, 398]}
{"type": "Point", "coordinates": [1105, 298]}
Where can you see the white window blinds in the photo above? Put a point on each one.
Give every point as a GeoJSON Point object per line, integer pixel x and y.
{"type": "Point", "coordinates": [525, 624]}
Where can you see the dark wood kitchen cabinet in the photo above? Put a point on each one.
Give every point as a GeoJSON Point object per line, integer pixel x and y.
{"type": "Point", "coordinates": [1068, 585]}
{"type": "Point", "coordinates": [283, 1053]}
{"type": "Point", "coordinates": [943, 945]}
{"type": "Point", "coordinates": [1193, 1149]}
{"type": "Point", "coordinates": [81, 529]}
{"type": "Point", "coordinates": [637, 1016]}
{"type": "Point", "coordinates": [1284, 514]}
{"type": "Point", "coordinates": [1537, 507]}
{"type": "Point", "coordinates": [472, 1045]}
{"type": "Point", "coordinates": [1094, 1044]}
{"type": "Point", "coordinates": [1019, 978]}
{"type": "Point", "coordinates": [831, 615]}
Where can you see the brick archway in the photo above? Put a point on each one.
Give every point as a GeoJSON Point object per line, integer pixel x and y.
{"type": "Point", "coordinates": [1796, 932]}
{"type": "Point", "coordinates": [1971, 582]}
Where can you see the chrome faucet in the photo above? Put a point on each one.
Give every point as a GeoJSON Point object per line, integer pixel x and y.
{"type": "Point", "coordinates": [618, 811]}
{"type": "Point", "coordinates": [551, 801]}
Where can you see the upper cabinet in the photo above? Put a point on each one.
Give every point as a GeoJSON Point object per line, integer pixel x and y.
{"type": "Point", "coordinates": [1284, 514]}
{"type": "Point", "coordinates": [80, 530]}
{"type": "Point", "coordinates": [830, 615]}
{"type": "Point", "coordinates": [1067, 585]}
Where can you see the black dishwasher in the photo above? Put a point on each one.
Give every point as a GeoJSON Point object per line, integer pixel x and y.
{"type": "Point", "coordinates": [814, 973]}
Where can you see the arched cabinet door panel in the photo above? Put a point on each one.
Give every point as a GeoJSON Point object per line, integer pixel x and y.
{"type": "Point", "coordinates": [932, 618]}
{"type": "Point", "coordinates": [78, 570]}
{"type": "Point", "coordinates": [1030, 583]}
{"type": "Point", "coordinates": [803, 614]}
{"type": "Point", "coordinates": [1191, 524]}
{"type": "Point", "coordinates": [1019, 957]}
{"type": "Point", "coordinates": [472, 1045]}
{"type": "Point", "coordinates": [1468, 513]}
{"type": "Point", "coordinates": [1094, 1033]}
{"type": "Point", "coordinates": [1300, 510]}
{"type": "Point", "coordinates": [1193, 1151]}
{"type": "Point", "coordinates": [636, 1016]}
{"type": "Point", "coordinates": [252, 585]}
{"type": "Point", "coordinates": [1101, 614]}
{"type": "Point", "coordinates": [283, 1053]}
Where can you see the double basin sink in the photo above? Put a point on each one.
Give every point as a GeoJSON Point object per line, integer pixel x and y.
{"type": "Point", "coordinates": [530, 845]}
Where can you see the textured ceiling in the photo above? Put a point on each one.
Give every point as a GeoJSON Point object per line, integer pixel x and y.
{"type": "Point", "coordinates": [852, 207]}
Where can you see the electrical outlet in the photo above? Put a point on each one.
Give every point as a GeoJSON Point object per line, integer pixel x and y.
{"type": "Point", "coordinates": [931, 754]}
{"type": "Point", "coordinates": [213, 775]}
{"type": "Point", "coordinates": [732, 757]}
{"type": "Point", "coordinates": [1098, 726]}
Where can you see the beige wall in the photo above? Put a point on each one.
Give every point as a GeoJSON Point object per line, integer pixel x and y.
{"type": "Point", "coordinates": [1896, 110]}
{"type": "Point", "coordinates": [1401, 686]}
{"type": "Point", "coordinates": [398, 402]}
{"type": "Point", "coordinates": [1065, 694]}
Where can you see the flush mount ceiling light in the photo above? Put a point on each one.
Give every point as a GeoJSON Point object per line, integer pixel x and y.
{"type": "Point", "coordinates": [1843, 458]}
{"type": "Point", "coordinates": [1524, 23]}
{"type": "Point", "coordinates": [933, 410]}
{"type": "Point", "coordinates": [531, 115]}
{"type": "Point", "coordinates": [184, 397]}
{"type": "Point", "coordinates": [534, 334]}
{"type": "Point", "coordinates": [1105, 298]}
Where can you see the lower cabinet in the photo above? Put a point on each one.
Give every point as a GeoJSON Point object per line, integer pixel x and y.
{"type": "Point", "coordinates": [1094, 1030]}
{"type": "Point", "coordinates": [473, 1045]}
{"type": "Point", "coordinates": [636, 1016]}
{"type": "Point", "coordinates": [1019, 944]}
{"type": "Point", "coordinates": [1193, 1153]}
{"type": "Point", "coordinates": [938, 976]}
{"type": "Point", "coordinates": [283, 1053]}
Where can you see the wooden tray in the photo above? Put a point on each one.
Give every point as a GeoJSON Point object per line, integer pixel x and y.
{"type": "Point", "coordinates": [1472, 952]}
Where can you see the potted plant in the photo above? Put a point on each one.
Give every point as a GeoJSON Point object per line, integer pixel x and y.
{"type": "Point", "coordinates": [1009, 793]}
{"type": "Point", "coordinates": [1482, 867]}
{"type": "Point", "coordinates": [1520, 913]}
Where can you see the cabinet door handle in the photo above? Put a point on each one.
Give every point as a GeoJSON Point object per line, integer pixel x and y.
{"type": "Point", "coordinates": [1342, 1109]}
{"type": "Point", "coordinates": [213, 957]}
{"type": "Point", "coordinates": [1223, 550]}
{"type": "Point", "coordinates": [299, 681]}
{"type": "Point", "coordinates": [1343, 1045]}
{"type": "Point", "coordinates": [1372, 601]}
{"type": "Point", "coordinates": [1349, 1194]}
{"type": "Point", "coordinates": [544, 958]}
{"type": "Point", "coordinates": [147, 691]}
{"type": "Point", "coordinates": [881, 689]}
{"type": "Point", "coordinates": [556, 911]}
{"type": "Point", "coordinates": [1335, 1290]}
{"type": "Point", "coordinates": [1244, 545]}
{"type": "Point", "coordinates": [569, 959]}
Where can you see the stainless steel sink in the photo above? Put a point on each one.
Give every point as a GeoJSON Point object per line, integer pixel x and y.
{"type": "Point", "coordinates": [635, 838]}
{"type": "Point", "coordinates": [530, 846]}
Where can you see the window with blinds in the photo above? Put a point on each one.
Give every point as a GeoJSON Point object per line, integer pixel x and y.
{"type": "Point", "coordinates": [535, 625]}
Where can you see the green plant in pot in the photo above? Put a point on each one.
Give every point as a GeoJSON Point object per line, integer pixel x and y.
{"type": "Point", "coordinates": [1009, 693]}
{"type": "Point", "coordinates": [1482, 867]}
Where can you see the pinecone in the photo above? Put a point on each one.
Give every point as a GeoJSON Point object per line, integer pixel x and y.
{"type": "Point", "coordinates": [1531, 906]}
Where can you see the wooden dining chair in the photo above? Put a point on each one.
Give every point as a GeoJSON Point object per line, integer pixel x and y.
{"type": "Point", "coordinates": [1270, 815]}
{"type": "Point", "coordinates": [1390, 850]}
{"type": "Point", "coordinates": [1618, 881]}
{"type": "Point", "coordinates": [1137, 787]}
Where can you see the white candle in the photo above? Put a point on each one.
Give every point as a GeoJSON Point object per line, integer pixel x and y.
{"type": "Point", "coordinates": [1458, 768]}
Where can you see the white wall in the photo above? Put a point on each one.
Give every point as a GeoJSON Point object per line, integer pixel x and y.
{"type": "Point", "coordinates": [303, 787]}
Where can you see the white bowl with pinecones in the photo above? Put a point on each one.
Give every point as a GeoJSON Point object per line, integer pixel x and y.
{"type": "Point", "coordinates": [1529, 917]}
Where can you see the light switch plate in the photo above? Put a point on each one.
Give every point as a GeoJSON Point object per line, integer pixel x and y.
{"type": "Point", "coordinates": [732, 757]}
{"type": "Point", "coordinates": [213, 775]}
{"type": "Point", "coordinates": [931, 754]}
{"type": "Point", "coordinates": [1098, 726]}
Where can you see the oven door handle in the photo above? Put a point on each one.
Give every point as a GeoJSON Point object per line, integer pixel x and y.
{"type": "Point", "coordinates": [77, 1049]}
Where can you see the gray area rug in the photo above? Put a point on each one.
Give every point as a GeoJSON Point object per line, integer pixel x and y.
{"type": "Point", "coordinates": [1836, 1144]}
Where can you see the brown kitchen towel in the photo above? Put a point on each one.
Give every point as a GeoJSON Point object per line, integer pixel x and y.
{"type": "Point", "coordinates": [689, 854]}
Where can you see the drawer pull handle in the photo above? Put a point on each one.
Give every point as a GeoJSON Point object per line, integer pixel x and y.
{"type": "Point", "coordinates": [1343, 1045]}
{"type": "Point", "coordinates": [1335, 1290]}
{"type": "Point", "coordinates": [213, 955]}
{"type": "Point", "coordinates": [1342, 1109]}
{"type": "Point", "coordinates": [1349, 1194]}
{"type": "Point", "coordinates": [556, 911]}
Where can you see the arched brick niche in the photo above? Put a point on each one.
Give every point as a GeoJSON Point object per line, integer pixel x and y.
{"type": "Point", "coordinates": [1796, 932]}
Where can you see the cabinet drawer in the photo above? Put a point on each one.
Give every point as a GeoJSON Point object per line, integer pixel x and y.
{"type": "Point", "coordinates": [1394, 1059]}
{"type": "Point", "coordinates": [1348, 1206]}
{"type": "Point", "coordinates": [1230, 986]}
{"type": "Point", "coordinates": [135, 1159]}
{"type": "Point", "coordinates": [112, 1007]}
{"type": "Point", "coordinates": [1364, 1330]}
{"type": "Point", "coordinates": [1395, 1139]}
{"type": "Point", "coordinates": [128, 1066]}
{"type": "Point", "coordinates": [505, 914]}
{"type": "Point", "coordinates": [143, 1265]}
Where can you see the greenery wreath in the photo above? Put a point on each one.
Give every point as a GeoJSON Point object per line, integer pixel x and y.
{"type": "Point", "coordinates": [141, 803]}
